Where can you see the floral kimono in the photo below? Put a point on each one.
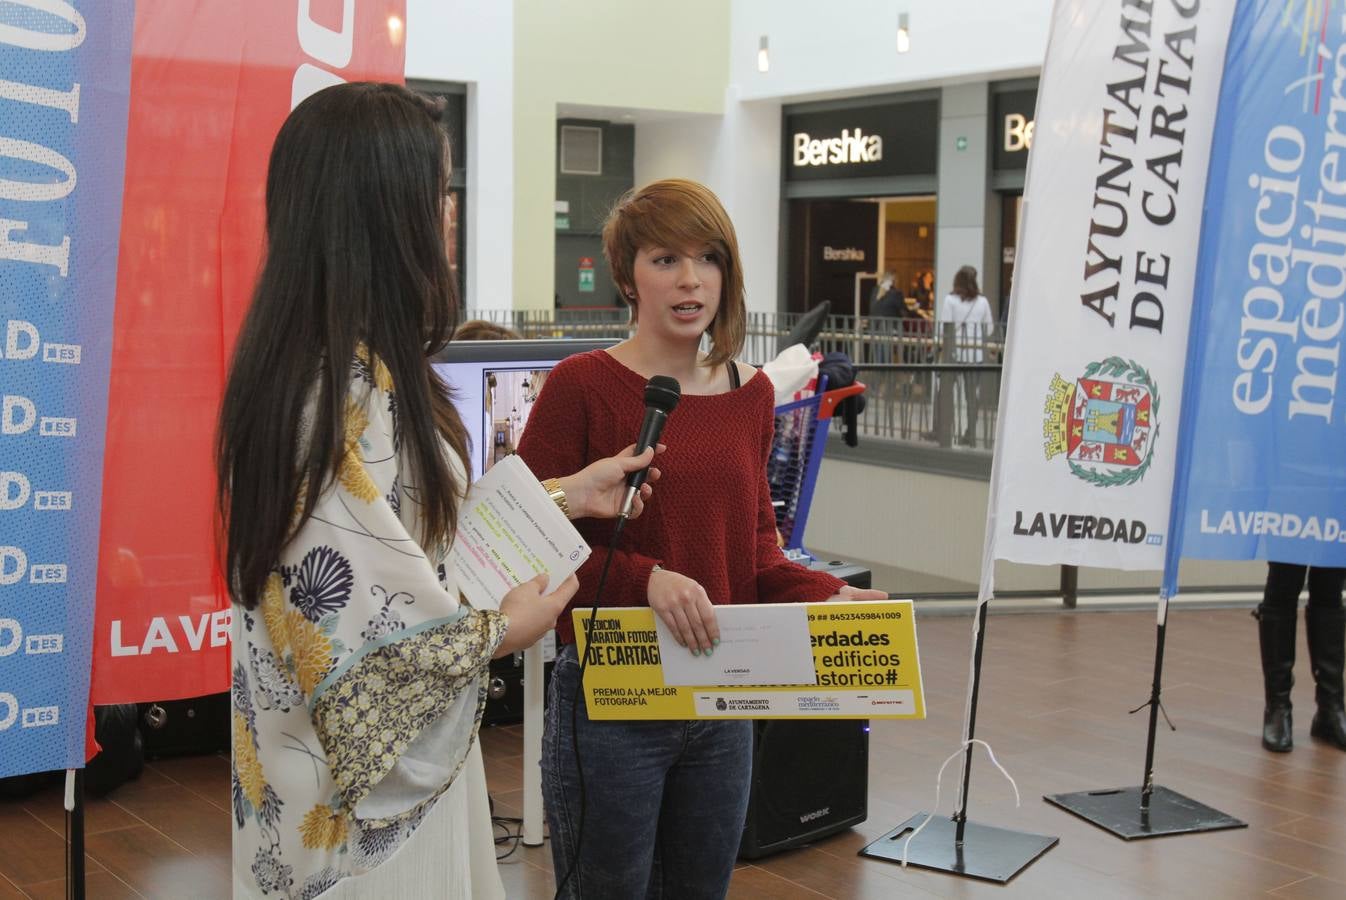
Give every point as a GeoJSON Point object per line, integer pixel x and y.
{"type": "Point", "coordinates": [358, 688]}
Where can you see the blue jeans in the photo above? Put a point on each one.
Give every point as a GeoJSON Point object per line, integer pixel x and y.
{"type": "Point", "coordinates": [665, 801]}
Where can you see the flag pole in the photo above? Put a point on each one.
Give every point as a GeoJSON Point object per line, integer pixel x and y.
{"type": "Point", "coordinates": [1161, 630]}
{"type": "Point", "coordinates": [1146, 810]}
{"type": "Point", "coordinates": [74, 821]}
{"type": "Point", "coordinates": [979, 642]}
{"type": "Point", "coordinates": [955, 845]}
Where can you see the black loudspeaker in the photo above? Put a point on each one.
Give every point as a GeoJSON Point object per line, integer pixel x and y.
{"type": "Point", "coordinates": [504, 690]}
{"type": "Point", "coordinates": [852, 574]}
{"type": "Point", "coordinates": [180, 727]}
{"type": "Point", "coordinates": [810, 777]}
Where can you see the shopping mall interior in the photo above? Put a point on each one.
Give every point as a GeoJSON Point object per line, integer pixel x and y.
{"type": "Point", "coordinates": [867, 152]}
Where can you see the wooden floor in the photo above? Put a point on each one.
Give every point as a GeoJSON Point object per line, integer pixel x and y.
{"type": "Point", "coordinates": [1057, 689]}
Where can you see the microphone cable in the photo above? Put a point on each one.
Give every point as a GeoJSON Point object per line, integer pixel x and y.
{"type": "Point", "coordinates": [574, 708]}
{"type": "Point", "coordinates": [661, 394]}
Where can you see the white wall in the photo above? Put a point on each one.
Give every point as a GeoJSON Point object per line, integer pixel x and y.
{"type": "Point", "coordinates": [737, 155]}
{"type": "Point", "coordinates": [935, 525]}
{"type": "Point", "coordinates": [849, 46]}
{"type": "Point", "coordinates": [817, 50]}
{"type": "Point", "coordinates": [681, 147]}
{"type": "Point", "coordinates": [473, 43]}
{"type": "Point", "coordinates": [646, 58]}
{"type": "Point", "coordinates": [960, 235]}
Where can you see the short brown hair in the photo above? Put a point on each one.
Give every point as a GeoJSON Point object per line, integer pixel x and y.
{"type": "Point", "coordinates": [677, 213]}
{"type": "Point", "coordinates": [482, 330]}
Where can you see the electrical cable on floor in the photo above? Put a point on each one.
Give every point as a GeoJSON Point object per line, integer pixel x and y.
{"type": "Point", "coordinates": [513, 834]}
{"type": "Point", "coordinates": [513, 827]}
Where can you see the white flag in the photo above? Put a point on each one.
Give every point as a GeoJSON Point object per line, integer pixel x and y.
{"type": "Point", "coordinates": [1092, 384]}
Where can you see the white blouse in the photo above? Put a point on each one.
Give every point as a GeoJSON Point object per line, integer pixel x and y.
{"type": "Point", "coordinates": [358, 689]}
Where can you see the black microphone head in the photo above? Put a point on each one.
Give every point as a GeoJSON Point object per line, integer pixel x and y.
{"type": "Point", "coordinates": [663, 393]}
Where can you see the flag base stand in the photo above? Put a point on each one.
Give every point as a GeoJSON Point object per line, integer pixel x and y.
{"type": "Point", "coordinates": [954, 844]}
{"type": "Point", "coordinates": [1119, 811]}
{"type": "Point", "coordinates": [985, 852]}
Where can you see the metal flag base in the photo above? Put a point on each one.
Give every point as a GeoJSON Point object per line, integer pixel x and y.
{"type": "Point", "coordinates": [1118, 810]}
{"type": "Point", "coordinates": [987, 852]}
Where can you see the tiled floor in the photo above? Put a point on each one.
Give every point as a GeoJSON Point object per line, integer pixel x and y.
{"type": "Point", "coordinates": [163, 835]}
{"type": "Point", "coordinates": [1056, 693]}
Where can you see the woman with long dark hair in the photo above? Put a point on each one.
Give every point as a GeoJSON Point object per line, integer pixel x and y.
{"type": "Point", "coordinates": [358, 672]}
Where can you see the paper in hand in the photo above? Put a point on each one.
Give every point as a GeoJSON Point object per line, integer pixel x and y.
{"type": "Point", "coordinates": [509, 531]}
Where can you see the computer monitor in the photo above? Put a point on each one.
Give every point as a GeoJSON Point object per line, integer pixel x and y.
{"type": "Point", "coordinates": [495, 384]}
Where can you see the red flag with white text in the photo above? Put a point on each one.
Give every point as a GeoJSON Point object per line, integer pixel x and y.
{"type": "Point", "coordinates": [211, 83]}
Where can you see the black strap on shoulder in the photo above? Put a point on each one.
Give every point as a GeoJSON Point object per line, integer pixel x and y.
{"type": "Point", "coordinates": [733, 375]}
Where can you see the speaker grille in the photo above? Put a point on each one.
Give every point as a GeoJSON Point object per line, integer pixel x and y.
{"type": "Point", "coordinates": [809, 779]}
{"type": "Point", "coordinates": [581, 150]}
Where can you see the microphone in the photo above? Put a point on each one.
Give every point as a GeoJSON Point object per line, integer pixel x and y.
{"type": "Point", "coordinates": [661, 395]}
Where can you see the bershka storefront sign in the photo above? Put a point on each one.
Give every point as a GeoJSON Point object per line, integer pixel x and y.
{"type": "Point", "coordinates": [852, 147]}
{"type": "Point", "coordinates": [1012, 112]}
{"type": "Point", "coordinates": [895, 137]}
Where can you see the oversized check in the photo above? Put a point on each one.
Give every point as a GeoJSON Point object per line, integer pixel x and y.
{"type": "Point", "coordinates": [865, 666]}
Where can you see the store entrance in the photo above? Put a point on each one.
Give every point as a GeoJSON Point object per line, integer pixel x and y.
{"type": "Point", "coordinates": [839, 249]}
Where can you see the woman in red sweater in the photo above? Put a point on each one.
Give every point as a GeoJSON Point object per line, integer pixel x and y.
{"type": "Point", "coordinates": [665, 800]}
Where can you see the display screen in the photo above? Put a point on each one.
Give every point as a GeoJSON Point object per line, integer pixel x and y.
{"type": "Point", "coordinates": [496, 383]}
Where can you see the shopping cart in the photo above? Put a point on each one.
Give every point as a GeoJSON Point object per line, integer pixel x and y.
{"type": "Point", "coordinates": [796, 455]}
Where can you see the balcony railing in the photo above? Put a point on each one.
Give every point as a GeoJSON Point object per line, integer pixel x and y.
{"type": "Point", "coordinates": [934, 385]}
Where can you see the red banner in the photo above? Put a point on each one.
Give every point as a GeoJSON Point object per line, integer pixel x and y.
{"type": "Point", "coordinates": [211, 83]}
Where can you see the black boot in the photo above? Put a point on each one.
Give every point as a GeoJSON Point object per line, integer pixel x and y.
{"type": "Point", "coordinates": [1276, 634]}
{"type": "Point", "coordinates": [1327, 629]}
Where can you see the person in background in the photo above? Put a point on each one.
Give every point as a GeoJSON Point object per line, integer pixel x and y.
{"type": "Point", "coordinates": [886, 304]}
{"type": "Point", "coordinates": [1324, 622]}
{"type": "Point", "coordinates": [666, 800]}
{"type": "Point", "coordinates": [970, 314]}
{"type": "Point", "coordinates": [922, 297]}
{"type": "Point", "coordinates": [358, 674]}
{"type": "Point", "coordinates": [482, 330]}
{"type": "Point", "coordinates": [886, 301]}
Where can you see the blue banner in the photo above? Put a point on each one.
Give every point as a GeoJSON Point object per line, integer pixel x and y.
{"type": "Point", "coordinates": [64, 91]}
{"type": "Point", "coordinates": [1262, 468]}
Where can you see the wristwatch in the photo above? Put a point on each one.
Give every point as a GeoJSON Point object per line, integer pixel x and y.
{"type": "Point", "coordinates": [553, 488]}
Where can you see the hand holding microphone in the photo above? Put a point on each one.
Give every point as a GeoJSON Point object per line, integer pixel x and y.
{"type": "Point", "coordinates": [599, 488]}
{"type": "Point", "coordinates": [661, 396]}
{"type": "Point", "coordinates": [678, 600]}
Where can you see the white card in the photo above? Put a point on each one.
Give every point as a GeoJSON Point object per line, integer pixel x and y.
{"type": "Point", "coordinates": [509, 531]}
{"type": "Point", "coordinates": [759, 644]}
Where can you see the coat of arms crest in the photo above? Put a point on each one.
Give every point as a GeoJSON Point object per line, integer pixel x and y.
{"type": "Point", "coordinates": [1105, 422]}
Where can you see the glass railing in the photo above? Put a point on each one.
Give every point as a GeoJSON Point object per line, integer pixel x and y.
{"type": "Point", "coordinates": [929, 384]}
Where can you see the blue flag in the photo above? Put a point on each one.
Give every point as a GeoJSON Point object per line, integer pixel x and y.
{"type": "Point", "coordinates": [1262, 465]}
{"type": "Point", "coordinates": [64, 89]}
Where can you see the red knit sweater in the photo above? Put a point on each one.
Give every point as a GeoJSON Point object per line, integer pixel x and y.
{"type": "Point", "coordinates": [710, 517]}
